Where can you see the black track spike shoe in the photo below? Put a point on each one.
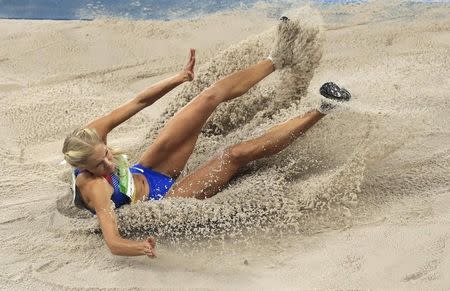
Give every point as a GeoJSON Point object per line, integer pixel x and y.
{"type": "Point", "coordinates": [332, 92]}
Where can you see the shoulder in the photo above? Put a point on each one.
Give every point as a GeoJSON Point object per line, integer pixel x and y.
{"type": "Point", "coordinates": [93, 189]}
{"type": "Point", "coordinates": [85, 179]}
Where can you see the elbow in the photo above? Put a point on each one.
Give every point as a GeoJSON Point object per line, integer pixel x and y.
{"type": "Point", "coordinates": [144, 101]}
{"type": "Point", "coordinates": [113, 247]}
{"type": "Point", "coordinates": [114, 251]}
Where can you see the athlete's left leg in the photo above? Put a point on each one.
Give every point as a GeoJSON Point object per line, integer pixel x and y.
{"type": "Point", "coordinates": [175, 143]}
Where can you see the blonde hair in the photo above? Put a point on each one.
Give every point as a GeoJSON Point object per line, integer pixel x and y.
{"type": "Point", "coordinates": [79, 146]}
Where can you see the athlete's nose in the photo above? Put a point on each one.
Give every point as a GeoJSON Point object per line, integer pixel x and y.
{"type": "Point", "coordinates": [109, 163]}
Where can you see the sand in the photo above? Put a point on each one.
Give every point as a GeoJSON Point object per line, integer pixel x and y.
{"type": "Point", "coordinates": [361, 201]}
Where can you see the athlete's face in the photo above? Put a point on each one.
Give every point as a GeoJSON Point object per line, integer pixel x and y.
{"type": "Point", "coordinates": [101, 162]}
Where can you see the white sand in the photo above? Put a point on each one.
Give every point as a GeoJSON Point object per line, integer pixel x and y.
{"type": "Point", "coordinates": [362, 201]}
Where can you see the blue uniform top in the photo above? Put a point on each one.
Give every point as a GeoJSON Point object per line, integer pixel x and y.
{"type": "Point", "coordinates": [121, 181]}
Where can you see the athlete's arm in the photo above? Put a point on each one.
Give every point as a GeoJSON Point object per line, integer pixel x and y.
{"type": "Point", "coordinates": [107, 219]}
{"type": "Point", "coordinates": [105, 124]}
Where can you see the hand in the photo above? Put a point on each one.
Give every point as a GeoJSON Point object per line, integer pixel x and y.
{"type": "Point", "coordinates": [188, 72]}
{"type": "Point", "coordinates": [149, 247]}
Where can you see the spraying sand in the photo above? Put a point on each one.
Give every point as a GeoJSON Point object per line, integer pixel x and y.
{"type": "Point", "coordinates": [362, 201]}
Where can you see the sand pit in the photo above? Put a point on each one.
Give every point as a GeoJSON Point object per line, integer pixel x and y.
{"type": "Point", "coordinates": [361, 201]}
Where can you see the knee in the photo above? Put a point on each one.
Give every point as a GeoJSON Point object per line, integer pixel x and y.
{"type": "Point", "coordinates": [211, 95]}
{"type": "Point", "coordinates": [237, 155]}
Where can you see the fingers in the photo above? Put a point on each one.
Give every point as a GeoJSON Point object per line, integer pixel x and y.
{"type": "Point", "coordinates": [151, 240]}
{"type": "Point", "coordinates": [149, 252]}
{"type": "Point", "coordinates": [150, 247]}
{"type": "Point", "coordinates": [189, 69]}
{"type": "Point", "coordinates": [192, 58]}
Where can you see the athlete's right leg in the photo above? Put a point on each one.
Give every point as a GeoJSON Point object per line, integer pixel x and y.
{"type": "Point", "coordinates": [175, 143]}
{"type": "Point", "coordinates": [215, 174]}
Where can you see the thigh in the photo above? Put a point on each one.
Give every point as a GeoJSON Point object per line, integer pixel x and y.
{"type": "Point", "coordinates": [207, 180]}
{"type": "Point", "coordinates": [175, 143]}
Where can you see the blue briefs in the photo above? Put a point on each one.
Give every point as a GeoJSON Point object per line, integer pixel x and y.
{"type": "Point", "coordinates": [158, 183]}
